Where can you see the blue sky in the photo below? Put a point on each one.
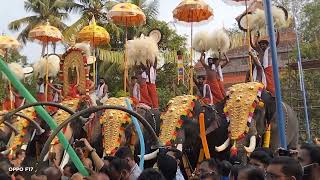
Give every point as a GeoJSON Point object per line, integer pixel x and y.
{"type": "Point", "coordinates": [223, 16]}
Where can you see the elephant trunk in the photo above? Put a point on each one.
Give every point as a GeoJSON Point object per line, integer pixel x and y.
{"type": "Point", "coordinates": [224, 146]}
{"type": "Point", "coordinates": [252, 145]}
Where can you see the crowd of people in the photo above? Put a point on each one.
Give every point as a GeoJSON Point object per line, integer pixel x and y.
{"type": "Point", "coordinates": [262, 164]}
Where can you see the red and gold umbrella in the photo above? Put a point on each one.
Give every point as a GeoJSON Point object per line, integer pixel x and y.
{"type": "Point", "coordinates": [96, 35]}
{"type": "Point", "coordinates": [192, 11]}
{"type": "Point", "coordinates": [128, 15]}
{"type": "Point", "coordinates": [45, 34]}
{"type": "Point", "coordinates": [7, 42]}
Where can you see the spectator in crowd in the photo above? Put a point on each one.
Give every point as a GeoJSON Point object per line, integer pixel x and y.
{"type": "Point", "coordinates": [309, 158]}
{"type": "Point", "coordinates": [208, 169]}
{"type": "Point", "coordinates": [151, 174]}
{"type": "Point", "coordinates": [86, 161]}
{"type": "Point", "coordinates": [167, 165]}
{"type": "Point", "coordinates": [119, 169]}
{"type": "Point", "coordinates": [250, 173]}
{"type": "Point", "coordinates": [76, 176]}
{"type": "Point", "coordinates": [52, 173]}
{"type": "Point", "coordinates": [177, 155]}
{"type": "Point", "coordinates": [69, 170]}
{"type": "Point", "coordinates": [283, 167]}
{"type": "Point", "coordinates": [20, 155]}
{"type": "Point", "coordinates": [98, 162]}
{"type": "Point", "coordinates": [224, 169]}
{"type": "Point", "coordinates": [235, 171]}
{"type": "Point", "coordinates": [259, 159]}
{"type": "Point", "coordinates": [126, 154]}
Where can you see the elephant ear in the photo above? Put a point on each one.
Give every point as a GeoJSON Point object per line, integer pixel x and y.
{"type": "Point", "coordinates": [239, 109]}
{"type": "Point", "coordinates": [180, 107]}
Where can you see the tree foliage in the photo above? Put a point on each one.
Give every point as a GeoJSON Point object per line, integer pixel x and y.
{"type": "Point", "coordinates": [43, 10]}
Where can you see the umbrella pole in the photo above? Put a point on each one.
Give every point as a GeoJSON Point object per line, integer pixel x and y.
{"type": "Point", "coordinates": [47, 73]}
{"type": "Point", "coordinates": [249, 46]}
{"type": "Point", "coordinates": [191, 63]}
{"type": "Point", "coordinates": [10, 87]}
{"type": "Point", "coordinates": [125, 62]}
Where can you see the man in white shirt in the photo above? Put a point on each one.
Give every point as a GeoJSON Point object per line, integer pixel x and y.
{"type": "Point", "coordinates": [126, 154]}
{"type": "Point", "coordinates": [102, 91]}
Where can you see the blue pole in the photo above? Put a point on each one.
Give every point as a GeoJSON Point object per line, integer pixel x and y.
{"type": "Point", "coordinates": [270, 26]}
{"type": "Point", "coordinates": [140, 135]}
{"type": "Point", "coordinates": [302, 87]}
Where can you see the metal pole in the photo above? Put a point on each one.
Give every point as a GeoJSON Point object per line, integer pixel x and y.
{"type": "Point", "coordinates": [45, 116]}
{"type": "Point", "coordinates": [301, 78]}
{"type": "Point", "coordinates": [270, 26]}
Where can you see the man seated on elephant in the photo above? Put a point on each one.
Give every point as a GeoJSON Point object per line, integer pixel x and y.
{"type": "Point", "coordinates": [135, 90]}
{"type": "Point", "coordinates": [142, 80]}
{"type": "Point", "coordinates": [204, 90]}
{"type": "Point", "coordinates": [263, 62]}
{"type": "Point", "coordinates": [212, 79]}
{"type": "Point", "coordinates": [151, 83]}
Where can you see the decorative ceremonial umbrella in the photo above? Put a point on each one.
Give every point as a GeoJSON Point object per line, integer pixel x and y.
{"type": "Point", "coordinates": [6, 43]}
{"type": "Point", "coordinates": [96, 35]}
{"type": "Point", "coordinates": [45, 34]}
{"type": "Point", "coordinates": [128, 15]}
{"type": "Point", "coordinates": [192, 11]}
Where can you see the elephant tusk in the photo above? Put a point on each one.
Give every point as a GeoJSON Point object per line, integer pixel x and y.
{"type": "Point", "coordinates": [252, 145]}
{"type": "Point", "coordinates": [5, 152]}
{"type": "Point", "coordinates": [223, 146]}
{"type": "Point", "coordinates": [179, 147]}
{"type": "Point", "coordinates": [150, 156]}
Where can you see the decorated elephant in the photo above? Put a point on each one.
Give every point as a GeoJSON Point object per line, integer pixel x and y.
{"type": "Point", "coordinates": [250, 111]}
{"type": "Point", "coordinates": [177, 127]}
{"type": "Point", "coordinates": [18, 132]}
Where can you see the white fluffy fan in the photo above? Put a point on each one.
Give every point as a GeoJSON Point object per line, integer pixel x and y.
{"type": "Point", "coordinates": [200, 41]}
{"type": "Point", "coordinates": [17, 70]}
{"type": "Point", "coordinates": [142, 49]}
{"type": "Point", "coordinates": [219, 40]}
{"type": "Point", "coordinates": [53, 66]}
{"type": "Point", "coordinates": [85, 47]}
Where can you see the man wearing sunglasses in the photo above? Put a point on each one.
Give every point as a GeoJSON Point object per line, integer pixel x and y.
{"type": "Point", "coordinates": [309, 158]}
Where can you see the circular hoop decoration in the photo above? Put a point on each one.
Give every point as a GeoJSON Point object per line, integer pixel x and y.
{"type": "Point", "coordinates": [156, 35]}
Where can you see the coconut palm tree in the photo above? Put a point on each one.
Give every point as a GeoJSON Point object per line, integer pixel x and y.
{"type": "Point", "coordinates": [43, 10]}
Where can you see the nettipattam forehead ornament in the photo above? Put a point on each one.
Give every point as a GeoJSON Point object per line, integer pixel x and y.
{"type": "Point", "coordinates": [240, 106]}
{"type": "Point", "coordinates": [112, 122]}
{"type": "Point", "coordinates": [171, 120]}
